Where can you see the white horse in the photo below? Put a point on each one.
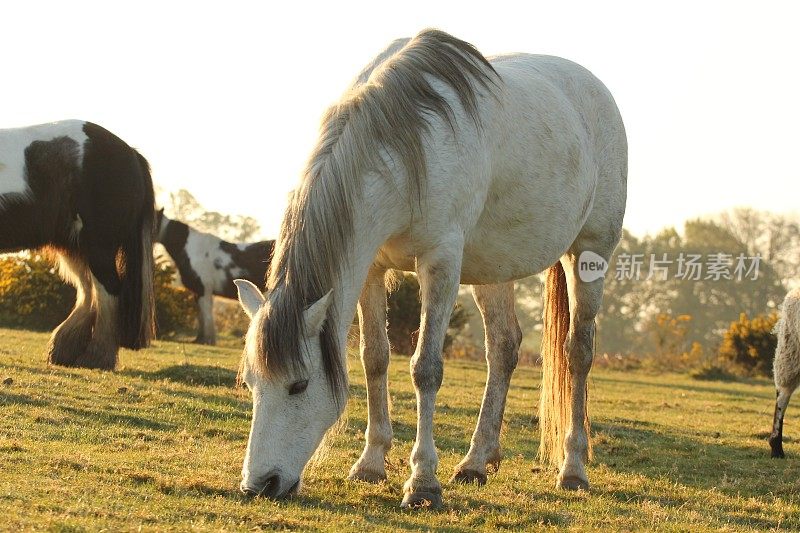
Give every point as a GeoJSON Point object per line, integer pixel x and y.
{"type": "Point", "coordinates": [466, 171]}
{"type": "Point", "coordinates": [786, 367]}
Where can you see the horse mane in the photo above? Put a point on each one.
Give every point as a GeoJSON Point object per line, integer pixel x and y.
{"type": "Point", "coordinates": [388, 112]}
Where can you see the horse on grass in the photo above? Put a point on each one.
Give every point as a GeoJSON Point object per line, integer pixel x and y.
{"type": "Point", "coordinates": [208, 265]}
{"type": "Point", "coordinates": [78, 190]}
{"type": "Point", "coordinates": [465, 170]}
{"type": "Point", "coordinates": [786, 367]}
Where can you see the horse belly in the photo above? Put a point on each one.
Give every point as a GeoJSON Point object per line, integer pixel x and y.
{"type": "Point", "coordinates": [521, 248]}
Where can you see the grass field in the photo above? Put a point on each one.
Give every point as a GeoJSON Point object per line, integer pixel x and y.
{"type": "Point", "coordinates": [158, 445]}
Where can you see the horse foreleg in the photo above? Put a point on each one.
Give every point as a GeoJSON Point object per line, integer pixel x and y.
{"type": "Point", "coordinates": [103, 348]}
{"type": "Point", "coordinates": [438, 281]}
{"type": "Point", "coordinates": [71, 337]}
{"type": "Point", "coordinates": [375, 359]}
{"type": "Point", "coordinates": [502, 339]}
{"type": "Point", "coordinates": [207, 333]}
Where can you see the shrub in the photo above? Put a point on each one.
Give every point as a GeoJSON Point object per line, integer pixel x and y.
{"type": "Point", "coordinates": [32, 295]}
{"type": "Point", "coordinates": [711, 372]}
{"type": "Point", "coordinates": [404, 315]}
{"type": "Point", "coordinates": [176, 311]}
{"type": "Point", "coordinates": [230, 318]}
{"type": "Point", "coordinates": [750, 343]}
{"type": "Point", "coordinates": [672, 350]}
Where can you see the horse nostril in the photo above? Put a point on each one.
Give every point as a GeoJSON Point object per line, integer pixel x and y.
{"type": "Point", "coordinates": [272, 485]}
{"type": "Point", "coordinates": [247, 491]}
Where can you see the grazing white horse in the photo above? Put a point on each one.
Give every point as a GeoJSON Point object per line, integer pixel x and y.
{"type": "Point", "coordinates": [465, 171]}
{"type": "Point", "coordinates": [786, 367]}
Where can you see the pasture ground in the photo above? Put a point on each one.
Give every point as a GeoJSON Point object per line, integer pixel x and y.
{"type": "Point", "coordinates": [158, 445]}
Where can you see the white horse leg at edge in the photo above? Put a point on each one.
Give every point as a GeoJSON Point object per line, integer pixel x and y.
{"type": "Point", "coordinates": [786, 367]}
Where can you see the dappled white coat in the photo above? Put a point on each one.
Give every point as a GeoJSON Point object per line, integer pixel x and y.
{"type": "Point", "coordinates": [786, 367]}
{"type": "Point", "coordinates": [542, 173]}
{"type": "Point", "coordinates": [787, 355]}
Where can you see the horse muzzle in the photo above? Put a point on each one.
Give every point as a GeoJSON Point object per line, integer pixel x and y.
{"type": "Point", "coordinates": [272, 486]}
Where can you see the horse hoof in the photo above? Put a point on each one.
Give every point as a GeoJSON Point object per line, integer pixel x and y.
{"type": "Point", "coordinates": [367, 476]}
{"type": "Point", "coordinates": [469, 476]}
{"type": "Point", "coordinates": [423, 499]}
{"type": "Point", "coordinates": [573, 483]}
{"type": "Point", "coordinates": [776, 446]}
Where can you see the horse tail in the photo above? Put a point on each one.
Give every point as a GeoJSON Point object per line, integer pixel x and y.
{"type": "Point", "coordinates": [554, 400]}
{"type": "Point", "coordinates": [136, 301]}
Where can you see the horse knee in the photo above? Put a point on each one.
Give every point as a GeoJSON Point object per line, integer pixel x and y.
{"type": "Point", "coordinates": [426, 372]}
{"type": "Point", "coordinates": [375, 359]}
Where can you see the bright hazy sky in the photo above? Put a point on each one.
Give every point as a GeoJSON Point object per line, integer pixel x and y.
{"type": "Point", "coordinates": [224, 99]}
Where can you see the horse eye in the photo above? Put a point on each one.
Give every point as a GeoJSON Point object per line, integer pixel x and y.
{"type": "Point", "coordinates": [298, 386]}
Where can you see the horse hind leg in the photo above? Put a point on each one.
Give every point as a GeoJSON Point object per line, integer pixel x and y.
{"type": "Point", "coordinates": [503, 337]}
{"type": "Point", "coordinates": [70, 339]}
{"type": "Point", "coordinates": [585, 298]}
{"type": "Point", "coordinates": [370, 466]}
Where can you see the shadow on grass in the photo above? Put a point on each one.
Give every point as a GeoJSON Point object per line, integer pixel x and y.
{"type": "Point", "coordinates": [187, 374]}
{"type": "Point", "coordinates": [20, 399]}
{"type": "Point", "coordinates": [724, 514]}
{"type": "Point", "coordinates": [115, 418]}
{"type": "Point", "coordinates": [640, 449]}
{"type": "Point", "coordinates": [702, 386]}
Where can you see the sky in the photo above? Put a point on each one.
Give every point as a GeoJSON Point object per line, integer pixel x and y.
{"type": "Point", "coordinates": [224, 98]}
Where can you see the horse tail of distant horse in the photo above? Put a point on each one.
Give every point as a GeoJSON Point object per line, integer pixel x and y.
{"type": "Point", "coordinates": [554, 399]}
{"type": "Point", "coordinates": [136, 301]}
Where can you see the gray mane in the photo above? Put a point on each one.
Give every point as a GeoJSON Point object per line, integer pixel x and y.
{"type": "Point", "coordinates": [390, 110]}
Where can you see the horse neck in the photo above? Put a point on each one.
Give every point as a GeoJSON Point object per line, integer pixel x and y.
{"type": "Point", "coordinates": [372, 226]}
{"type": "Point", "coordinates": [352, 276]}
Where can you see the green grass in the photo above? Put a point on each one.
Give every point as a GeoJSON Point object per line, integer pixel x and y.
{"type": "Point", "coordinates": [158, 445]}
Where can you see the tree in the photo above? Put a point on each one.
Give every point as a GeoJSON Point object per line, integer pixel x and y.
{"type": "Point", "coordinates": [183, 206]}
{"type": "Point", "coordinates": [775, 237]}
{"type": "Point", "coordinates": [632, 303]}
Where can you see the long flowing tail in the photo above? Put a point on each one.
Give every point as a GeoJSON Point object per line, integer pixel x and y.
{"type": "Point", "coordinates": [556, 391]}
{"type": "Point", "coordinates": [136, 301]}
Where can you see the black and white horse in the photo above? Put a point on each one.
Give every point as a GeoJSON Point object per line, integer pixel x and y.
{"type": "Point", "coordinates": [78, 190]}
{"type": "Point", "coordinates": [208, 265]}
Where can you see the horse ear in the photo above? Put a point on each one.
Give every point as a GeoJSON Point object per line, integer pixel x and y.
{"type": "Point", "coordinates": [250, 297]}
{"type": "Point", "coordinates": [314, 316]}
